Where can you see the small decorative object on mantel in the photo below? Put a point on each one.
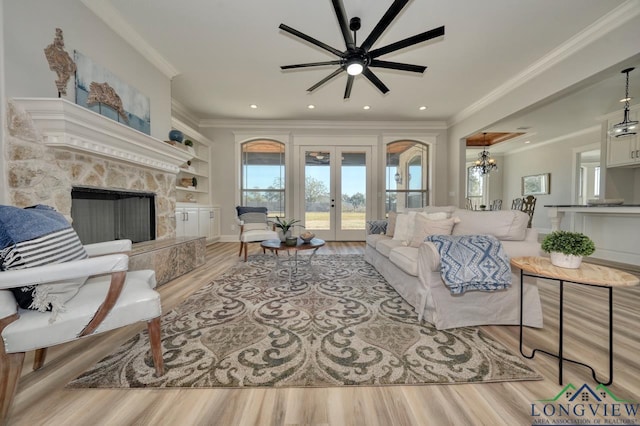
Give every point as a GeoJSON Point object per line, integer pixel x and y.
{"type": "Point", "coordinates": [60, 62]}
{"type": "Point", "coordinates": [103, 93]}
{"type": "Point", "coordinates": [566, 249]}
{"type": "Point", "coordinates": [176, 135]}
{"type": "Point", "coordinates": [188, 142]}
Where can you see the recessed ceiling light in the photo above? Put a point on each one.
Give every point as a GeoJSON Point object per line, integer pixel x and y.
{"type": "Point", "coordinates": [527, 141]}
{"type": "Point", "coordinates": [311, 106]}
{"type": "Point", "coordinates": [253, 106]}
{"type": "Point", "coordinates": [366, 107]}
{"type": "Point", "coordinates": [422, 108]}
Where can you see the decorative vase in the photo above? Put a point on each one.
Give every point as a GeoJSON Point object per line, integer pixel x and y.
{"type": "Point", "coordinates": [562, 260]}
{"type": "Point", "coordinates": [291, 241]}
{"type": "Point", "coordinates": [176, 135]}
{"type": "Point", "coordinates": [284, 235]}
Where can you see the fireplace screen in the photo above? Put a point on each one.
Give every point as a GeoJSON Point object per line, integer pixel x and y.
{"type": "Point", "coordinates": [105, 215]}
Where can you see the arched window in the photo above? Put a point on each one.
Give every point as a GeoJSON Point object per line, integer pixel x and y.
{"type": "Point", "coordinates": [407, 175]}
{"type": "Point", "coordinates": [263, 175]}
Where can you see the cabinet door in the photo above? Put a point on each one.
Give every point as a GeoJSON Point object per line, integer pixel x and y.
{"type": "Point", "coordinates": [186, 222]}
{"type": "Point", "coordinates": [204, 222]}
{"type": "Point", "coordinates": [215, 224]}
{"type": "Point", "coordinates": [621, 152]}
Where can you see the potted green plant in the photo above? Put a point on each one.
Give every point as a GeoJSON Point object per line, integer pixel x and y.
{"type": "Point", "coordinates": [284, 227]}
{"type": "Point", "coordinates": [566, 249]}
{"type": "Point", "coordinates": [188, 142]}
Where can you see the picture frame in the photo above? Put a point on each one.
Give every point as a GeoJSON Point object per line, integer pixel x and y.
{"type": "Point", "coordinates": [536, 184]}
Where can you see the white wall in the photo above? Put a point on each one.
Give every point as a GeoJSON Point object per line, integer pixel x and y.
{"type": "Point", "coordinates": [4, 194]}
{"type": "Point", "coordinates": [555, 158]}
{"type": "Point", "coordinates": [224, 173]}
{"type": "Point", "coordinates": [29, 26]}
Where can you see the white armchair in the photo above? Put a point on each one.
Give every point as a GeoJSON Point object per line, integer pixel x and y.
{"type": "Point", "coordinates": [254, 227]}
{"type": "Point", "coordinates": [111, 298]}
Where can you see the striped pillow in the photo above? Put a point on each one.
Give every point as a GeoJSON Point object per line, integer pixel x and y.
{"type": "Point", "coordinates": [38, 236]}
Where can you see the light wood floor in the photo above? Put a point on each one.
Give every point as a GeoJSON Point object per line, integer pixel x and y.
{"type": "Point", "coordinates": [43, 400]}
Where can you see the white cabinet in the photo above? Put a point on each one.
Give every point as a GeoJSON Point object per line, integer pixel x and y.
{"type": "Point", "coordinates": [200, 221]}
{"type": "Point", "coordinates": [187, 222]}
{"type": "Point", "coordinates": [623, 151]}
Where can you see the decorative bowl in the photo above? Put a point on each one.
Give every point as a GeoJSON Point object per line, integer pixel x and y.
{"type": "Point", "coordinates": [291, 241]}
{"type": "Point", "coordinates": [307, 237]}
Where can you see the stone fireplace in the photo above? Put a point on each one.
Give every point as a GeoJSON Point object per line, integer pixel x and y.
{"type": "Point", "coordinates": [54, 145]}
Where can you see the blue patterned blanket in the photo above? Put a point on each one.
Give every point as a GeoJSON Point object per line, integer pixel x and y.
{"type": "Point", "coordinates": [472, 262]}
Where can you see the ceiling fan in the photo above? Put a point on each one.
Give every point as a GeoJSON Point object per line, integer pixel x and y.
{"type": "Point", "coordinates": [358, 60]}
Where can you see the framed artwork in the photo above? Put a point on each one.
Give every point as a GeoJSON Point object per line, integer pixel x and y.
{"type": "Point", "coordinates": [536, 184]}
{"type": "Point", "coordinates": [101, 91]}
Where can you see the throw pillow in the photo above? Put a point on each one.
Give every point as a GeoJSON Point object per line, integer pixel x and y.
{"type": "Point", "coordinates": [37, 236]}
{"type": "Point", "coordinates": [391, 226]}
{"type": "Point", "coordinates": [404, 227]}
{"type": "Point", "coordinates": [424, 227]}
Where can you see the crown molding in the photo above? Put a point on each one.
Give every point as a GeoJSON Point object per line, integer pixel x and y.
{"type": "Point", "coordinates": [614, 19]}
{"type": "Point", "coordinates": [324, 124]}
{"type": "Point", "coordinates": [105, 11]}
{"type": "Point", "coordinates": [188, 130]}
{"type": "Point", "coordinates": [178, 108]}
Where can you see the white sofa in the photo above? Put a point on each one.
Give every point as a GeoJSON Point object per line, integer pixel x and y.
{"type": "Point", "coordinates": [415, 271]}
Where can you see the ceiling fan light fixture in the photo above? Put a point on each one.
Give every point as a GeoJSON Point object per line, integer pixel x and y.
{"type": "Point", "coordinates": [626, 127]}
{"type": "Point", "coordinates": [355, 66]}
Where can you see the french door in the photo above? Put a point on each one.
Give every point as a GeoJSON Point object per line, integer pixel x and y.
{"type": "Point", "coordinates": [335, 187]}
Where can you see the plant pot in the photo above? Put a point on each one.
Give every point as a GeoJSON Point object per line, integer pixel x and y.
{"type": "Point", "coordinates": [284, 235]}
{"type": "Point", "coordinates": [562, 260]}
{"type": "Point", "coordinates": [291, 241]}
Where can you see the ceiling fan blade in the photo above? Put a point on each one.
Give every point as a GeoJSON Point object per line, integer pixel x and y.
{"type": "Point", "coordinates": [410, 41]}
{"type": "Point", "coordinates": [338, 6]}
{"type": "Point", "coordinates": [310, 39]}
{"type": "Point", "coordinates": [384, 22]}
{"type": "Point", "coordinates": [310, 64]}
{"type": "Point", "coordinates": [375, 80]}
{"type": "Point", "coordinates": [347, 90]}
{"type": "Point", "coordinates": [397, 66]}
{"type": "Point", "coordinates": [324, 80]}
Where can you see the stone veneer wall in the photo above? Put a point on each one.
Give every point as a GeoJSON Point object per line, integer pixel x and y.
{"type": "Point", "coordinates": [38, 174]}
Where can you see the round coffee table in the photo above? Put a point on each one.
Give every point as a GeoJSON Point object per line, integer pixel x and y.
{"type": "Point", "coordinates": [291, 262]}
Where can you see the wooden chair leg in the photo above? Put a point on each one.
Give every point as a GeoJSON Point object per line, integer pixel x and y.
{"type": "Point", "coordinates": [10, 369]}
{"type": "Point", "coordinates": [246, 248]}
{"type": "Point", "coordinates": [38, 360]}
{"type": "Point", "coordinates": [241, 247]}
{"type": "Point", "coordinates": [155, 340]}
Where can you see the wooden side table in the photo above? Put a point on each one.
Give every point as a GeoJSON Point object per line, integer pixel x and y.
{"type": "Point", "coordinates": [587, 274]}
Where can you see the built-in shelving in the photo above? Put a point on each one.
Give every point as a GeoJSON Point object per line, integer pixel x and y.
{"type": "Point", "coordinates": [198, 167]}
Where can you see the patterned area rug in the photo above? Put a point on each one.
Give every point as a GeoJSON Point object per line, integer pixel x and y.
{"type": "Point", "coordinates": [337, 323]}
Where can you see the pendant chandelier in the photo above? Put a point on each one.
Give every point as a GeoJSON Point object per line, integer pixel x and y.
{"type": "Point", "coordinates": [626, 127]}
{"type": "Point", "coordinates": [485, 164]}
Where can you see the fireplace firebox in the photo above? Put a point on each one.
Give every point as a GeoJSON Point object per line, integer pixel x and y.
{"type": "Point", "coordinates": [104, 215]}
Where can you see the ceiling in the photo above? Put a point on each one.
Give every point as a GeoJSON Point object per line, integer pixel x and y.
{"type": "Point", "coordinates": [227, 53]}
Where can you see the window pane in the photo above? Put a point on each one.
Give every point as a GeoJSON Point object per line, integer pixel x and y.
{"type": "Point", "coordinates": [263, 176]}
{"type": "Point", "coordinates": [406, 175]}
{"type": "Point", "coordinates": [354, 188]}
{"type": "Point", "coordinates": [317, 182]}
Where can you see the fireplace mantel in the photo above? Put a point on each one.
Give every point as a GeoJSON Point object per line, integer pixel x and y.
{"type": "Point", "coordinates": [65, 125]}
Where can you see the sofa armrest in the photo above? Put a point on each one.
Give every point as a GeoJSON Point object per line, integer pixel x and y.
{"type": "Point", "coordinates": [377, 226]}
{"type": "Point", "coordinates": [428, 257]}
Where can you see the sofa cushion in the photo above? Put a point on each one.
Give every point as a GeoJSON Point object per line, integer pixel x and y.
{"type": "Point", "coordinates": [405, 258]}
{"type": "Point", "coordinates": [384, 246]}
{"type": "Point", "coordinates": [391, 225]}
{"type": "Point", "coordinates": [423, 227]}
{"type": "Point", "coordinates": [372, 239]}
{"type": "Point", "coordinates": [506, 225]}
{"type": "Point", "coordinates": [404, 227]}
{"type": "Point", "coordinates": [37, 236]}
